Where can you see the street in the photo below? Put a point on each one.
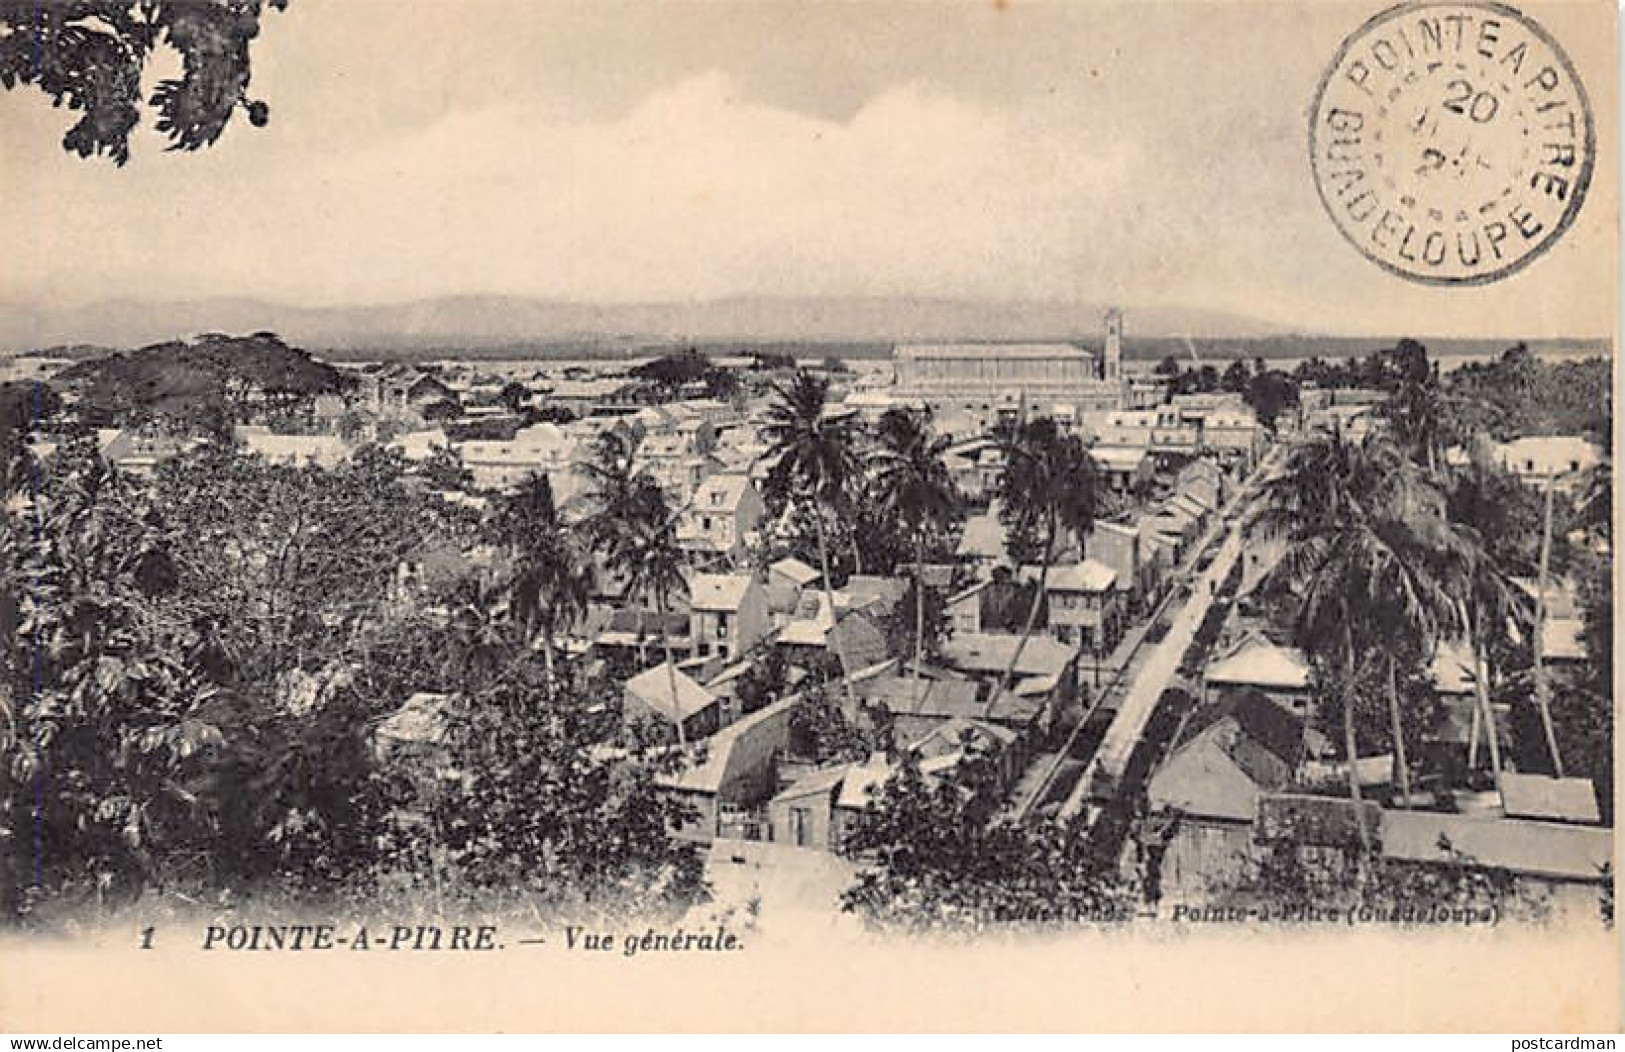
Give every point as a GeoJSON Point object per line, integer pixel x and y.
{"type": "Point", "coordinates": [1156, 672]}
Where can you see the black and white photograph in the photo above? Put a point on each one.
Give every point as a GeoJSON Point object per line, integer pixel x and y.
{"type": "Point", "coordinates": [729, 505]}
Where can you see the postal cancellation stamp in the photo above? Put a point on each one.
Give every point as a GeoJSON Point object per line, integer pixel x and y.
{"type": "Point", "coordinates": [1452, 143]}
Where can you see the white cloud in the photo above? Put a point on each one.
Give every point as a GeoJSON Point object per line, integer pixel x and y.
{"type": "Point", "coordinates": [697, 193]}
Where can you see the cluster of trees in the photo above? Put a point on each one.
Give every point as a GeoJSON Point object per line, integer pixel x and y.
{"type": "Point", "coordinates": [24, 408]}
{"type": "Point", "coordinates": [821, 732]}
{"type": "Point", "coordinates": [1517, 394]}
{"type": "Point", "coordinates": [939, 857]}
{"type": "Point", "coordinates": [1391, 552]}
{"type": "Point", "coordinates": [195, 668]}
{"type": "Point", "coordinates": [1512, 395]}
{"type": "Point", "coordinates": [1383, 369]}
{"type": "Point", "coordinates": [199, 663]}
{"type": "Point", "coordinates": [670, 374]}
{"type": "Point", "coordinates": [1205, 377]}
{"type": "Point", "coordinates": [1269, 392]}
{"type": "Point", "coordinates": [203, 386]}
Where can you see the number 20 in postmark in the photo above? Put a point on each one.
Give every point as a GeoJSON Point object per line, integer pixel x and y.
{"type": "Point", "coordinates": [1452, 143]}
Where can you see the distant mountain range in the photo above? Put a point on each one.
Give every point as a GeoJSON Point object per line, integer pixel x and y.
{"type": "Point", "coordinates": [517, 327]}
{"type": "Point", "coordinates": [483, 321]}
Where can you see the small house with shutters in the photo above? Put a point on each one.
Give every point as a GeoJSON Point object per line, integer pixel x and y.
{"type": "Point", "coordinates": [732, 774]}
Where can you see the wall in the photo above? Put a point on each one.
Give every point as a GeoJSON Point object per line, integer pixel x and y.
{"type": "Point", "coordinates": [1203, 857]}
{"type": "Point", "coordinates": [819, 826]}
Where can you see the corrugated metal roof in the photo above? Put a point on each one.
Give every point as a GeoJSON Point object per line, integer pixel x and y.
{"type": "Point", "coordinates": [1537, 796]}
{"type": "Point", "coordinates": [979, 351]}
{"type": "Point", "coordinates": [1545, 849]}
{"type": "Point", "coordinates": [653, 686]}
{"type": "Point", "coordinates": [716, 591]}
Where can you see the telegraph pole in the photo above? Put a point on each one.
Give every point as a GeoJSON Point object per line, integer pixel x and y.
{"type": "Point", "coordinates": [1542, 690]}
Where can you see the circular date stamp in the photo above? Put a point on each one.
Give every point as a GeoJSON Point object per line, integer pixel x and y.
{"type": "Point", "coordinates": [1451, 142]}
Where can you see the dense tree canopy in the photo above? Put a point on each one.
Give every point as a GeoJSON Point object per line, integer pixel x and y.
{"type": "Point", "coordinates": [203, 385]}
{"type": "Point", "coordinates": [1518, 394]}
{"type": "Point", "coordinates": [935, 857]}
{"type": "Point", "coordinates": [1270, 393]}
{"type": "Point", "coordinates": [24, 407]}
{"type": "Point", "coordinates": [198, 670]}
{"type": "Point", "coordinates": [672, 372]}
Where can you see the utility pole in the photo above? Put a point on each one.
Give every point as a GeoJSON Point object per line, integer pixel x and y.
{"type": "Point", "coordinates": [1542, 690]}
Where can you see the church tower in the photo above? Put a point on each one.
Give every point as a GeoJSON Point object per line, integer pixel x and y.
{"type": "Point", "coordinates": [1111, 362]}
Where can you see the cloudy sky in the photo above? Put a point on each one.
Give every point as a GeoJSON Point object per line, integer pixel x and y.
{"type": "Point", "coordinates": [1150, 153]}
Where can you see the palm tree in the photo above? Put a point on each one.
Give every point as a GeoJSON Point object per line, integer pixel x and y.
{"type": "Point", "coordinates": [846, 504]}
{"type": "Point", "coordinates": [618, 491]}
{"type": "Point", "coordinates": [655, 566]}
{"type": "Point", "coordinates": [1506, 535]}
{"type": "Point", "coordinates": [1543, 699]}
{"type": "Point", "coordinates": [633, 527]}
{"type": "Point", "coordinates": [913, 484]}
{"type": "Point", "coordinates": [815, 451]}
{"type": "Point", "coordinates": [1363, 553]}
{"type": "Point", "coordinates": [1597, 501]}
{"type": "Point", "coordinates": [1411, 570]}
{"type": "Point", "coordinates": [1048, 489]}
{"type": "Point", "coordinates": [478, 630]}
{"type": "Point", "coordinates": [550, 583]}
{"type": "Point", "coordinates": [1491, 605]}
{"type": "Point", "coordinates": [1419, 412]}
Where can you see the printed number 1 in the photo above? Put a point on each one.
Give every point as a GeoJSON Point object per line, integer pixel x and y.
{"type": "Point", "coordinates": [146, 938]}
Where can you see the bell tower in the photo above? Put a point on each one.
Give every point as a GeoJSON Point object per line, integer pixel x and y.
{"type": "Point", "coordinates": [1111, 361]}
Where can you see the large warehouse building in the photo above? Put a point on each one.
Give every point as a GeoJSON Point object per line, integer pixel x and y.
{"type": "Point", "coordinates": [986, 379]}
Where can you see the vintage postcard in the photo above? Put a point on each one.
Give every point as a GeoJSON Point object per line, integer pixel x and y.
{"type": "Point", "coordinates": [894, 515]}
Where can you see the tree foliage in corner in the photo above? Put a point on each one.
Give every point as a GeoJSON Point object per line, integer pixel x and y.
{"type": "Point", "coordinates": [88, 55]}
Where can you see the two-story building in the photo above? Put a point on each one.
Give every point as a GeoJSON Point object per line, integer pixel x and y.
{"type": "Point", "coordinates": [1233, 433]}
{"type": "Point", "coordinates": [722, 515]}
{"type": "Point", "coordinates": [1117, 545]}
{"type": "Point", "coordinates": [1084, 607]}
{"type": "Point", "coordinates": [728, 613]}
